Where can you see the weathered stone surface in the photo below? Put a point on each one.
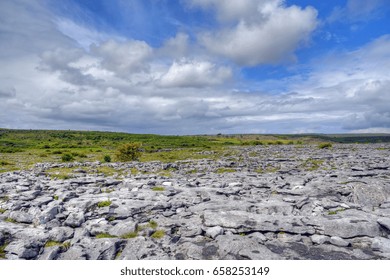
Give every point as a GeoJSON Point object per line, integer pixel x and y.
{"type": "Point", "coordinates": [21, 217]}
{"type": "Point", "coordinates": [338, 241]}
{"type": "Point", "coordinates": [75, 219]}
{"type": "Point", "coordinates": [214, 231]}
{"type": "Point", "coordinates": [280, 202]}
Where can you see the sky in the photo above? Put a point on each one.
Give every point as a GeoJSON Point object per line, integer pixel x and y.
{"type": "Point", "coordinates": [179, 67]}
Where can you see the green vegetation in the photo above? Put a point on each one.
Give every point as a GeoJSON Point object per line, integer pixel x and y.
{"type": "Point", "coordinates": [107, 158]}
{"type": "Point", "coordinates": [55, 197]}
{"type": "Point", "coordinates": [158, 234]}
{"type": "Point", "coordinates": [153, 224]}
{"type": "Point", "coordinates": [334, 212]}
{"type": "Point", "coordinates": [52, 243]}
{"type": "Point", "coordinates": [105, 235]}
{"type": "Point", "coordinates": [312, 164]}
{"type": "Point", "coordinates": [2, 210]}
{"type": "Point", "coordinates": [104, 203]}
{"type": "Point", "coordinates": [2, 251]}
{"type": "Point", "coordinates": [325, 145]}
{"type": "Point", "coordinates": [10, 220]}
{"type": "Point", "coordinates": [132, 234]}
{"type": "Point", "coordinates": [21, 149]}
{"type": "Point", "coordinates": [158, 189]}
{"type": "Point", "coordinates": [129, 152]}
{"type": "Point", "coordinates": [225, 170]}
{"type": "Point", "coordinates": [67, 158]}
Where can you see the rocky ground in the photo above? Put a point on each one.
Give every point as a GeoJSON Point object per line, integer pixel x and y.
{"type": "Point", "coordinates": [263, 202]}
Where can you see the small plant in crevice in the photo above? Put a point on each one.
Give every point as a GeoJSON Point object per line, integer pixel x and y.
{"type": "Point", "coordinates": [132, 234]}
{"type": "Point", "coordinates": [104, 203]}
{"type": "Point", "coordinates": [2, 251]}
{"type": "Point", "coordinates": [158, 189]}
{"type": "Point", "coordinates": [158, 234]}
{"type": "Point", "coordinates": [105, 235]}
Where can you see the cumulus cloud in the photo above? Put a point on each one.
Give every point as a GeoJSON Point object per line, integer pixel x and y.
{"type": "Point", "coordinates": [124, 58]}
{"type": "Point", "coordinates": [60, 81]}
{"type": "Point", "coordinates": [193, 73]}
{"type": "Point", "coordinates": [263, 31]}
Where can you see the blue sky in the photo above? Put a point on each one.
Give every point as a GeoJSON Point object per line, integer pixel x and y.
{"type": "Point", "coordinates": [196, 66]}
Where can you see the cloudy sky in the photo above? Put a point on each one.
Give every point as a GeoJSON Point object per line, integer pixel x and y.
{"type": "Point", "coordinates": [196, 66]}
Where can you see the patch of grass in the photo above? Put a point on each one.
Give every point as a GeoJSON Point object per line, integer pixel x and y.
{"type": "Point", "coordinates": [111, 218]}
{"type": "Point", "coordinates": [326, 145]}
{"type": "Point", "coordinates": [3, 163]}
{"type": "Point", "coordinates": [118, 254]}
{"type": "Point", "coordinates": [55, 197]}
{"type": "Point", "coordinates": [65, 245]}
{"type": "Point", "coordinates": [105, 235]}
{"type": "Point", "coordinates": [158, 234]}
{"type": "Point", "coordinates": [132, 234]}
{"type": "Point", "coordinates": [52, 243]}
{"type": "Point", "coordinates": [2, 210]}
{"type": "Point", "coordinates": [2, 250]}
{"type": "Point", "coordinates": [312, 164]}
{"type": "Point", "coordinates": [10, 220]}
{"type": "Point", "coordinates": [104, 203]}
{"type": "Point", "coordinates": [268, 169]}
{"type": "Point", "coordinates": [225, 170]}
{"type": "Point", "coordinates": [334, 212]}
{"type": "Point", "coordinates": [153, 224]}
{"type": "Point", "coordinates": [158, 189]}
{"type": "Point", "coordinates": [4, 198]}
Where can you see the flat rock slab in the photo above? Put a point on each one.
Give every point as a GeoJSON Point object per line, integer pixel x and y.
{"type": "Point", "coordinates": [260, 202]}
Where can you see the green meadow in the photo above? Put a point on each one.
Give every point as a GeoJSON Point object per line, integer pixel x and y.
{"type": "Point", "coordinates": [21, 149]}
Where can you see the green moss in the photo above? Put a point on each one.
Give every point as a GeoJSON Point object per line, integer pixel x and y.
{"type": "Point", "coordinates": [158, 234]}
{"type": "Point", "coordinates": [52, 243]}
{"type": "Point", "coordinates": [129, 235]}
{"type": "Point", "coordinates": [104, 203]}
{"type": "Point", "coordinates": [334, 212]}
{"type": "Point", "coordinates": [2, 251]}
{"type": "Point", "coordinates": [10, 220]}
{"type": "Point", "coordinates": [65, 245]}
{"type": "Point", "coordinates": [153, 224]}
{"type": "Point", "coordinates": [225, 170]}
{"type": "Point", "coordinates": [55, 197]}
{"type": "Point", "coordinates": [158, 189]}
{"type": "Point", "coordinates": [105, 235]}
{"type": "Point", "coordinates": [2, 210]}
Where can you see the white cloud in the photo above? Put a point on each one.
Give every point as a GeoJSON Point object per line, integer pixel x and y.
{"type": "Point", "coordinates": [124, 58]}
{"type": "Point", "coordinates": [263, 32]}
{"type": "Point", "coordinates": [186, 73]}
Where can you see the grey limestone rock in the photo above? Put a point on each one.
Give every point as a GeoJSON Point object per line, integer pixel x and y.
{"type": "Point", "coordinates": [74, 219]}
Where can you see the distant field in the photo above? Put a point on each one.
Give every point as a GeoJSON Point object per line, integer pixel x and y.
{"type": "Point", "coordinates": [21, 149]}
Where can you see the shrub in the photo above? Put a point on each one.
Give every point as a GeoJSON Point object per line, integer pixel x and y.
{"type": "Point", "coordinates": [129, 152]}
{"type": "Point", "coordinates": [107, 158]}
{"type": "Point", "coordinates": [325, 145]}
{"type": "Point", "coordinates": [67, 157]}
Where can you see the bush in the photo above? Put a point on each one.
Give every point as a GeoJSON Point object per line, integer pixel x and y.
{"type": "Point", "coordinates": [325, 145]}
{"type": "Point", "coordinates": [107, 158]}
{"type": "Point", "coordinates": [129, 152]}
{"type": "Point", "coordinates": [67, 157]}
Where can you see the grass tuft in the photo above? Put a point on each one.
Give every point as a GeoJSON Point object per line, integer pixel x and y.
{"type": "Point", "coordinates": [104, 203]}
